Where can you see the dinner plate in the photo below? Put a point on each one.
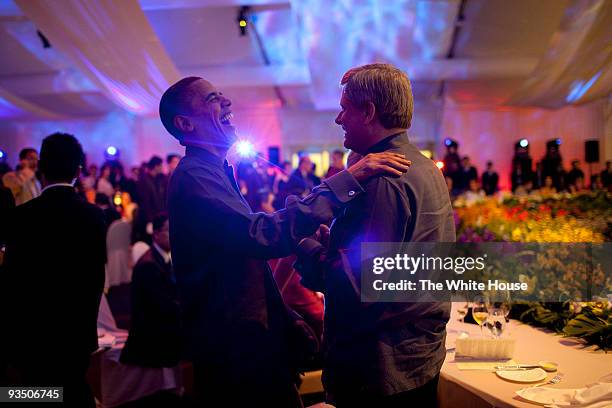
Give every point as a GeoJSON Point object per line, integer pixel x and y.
{"type": "Point", "coordinates": [523, 376]}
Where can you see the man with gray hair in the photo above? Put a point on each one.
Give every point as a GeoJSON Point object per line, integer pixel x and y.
{"type": "Point", "coordinates": [380, 354]}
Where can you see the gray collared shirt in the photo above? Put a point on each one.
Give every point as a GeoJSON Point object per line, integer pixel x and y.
{"type": "Point", "coordinates": [381, 348]}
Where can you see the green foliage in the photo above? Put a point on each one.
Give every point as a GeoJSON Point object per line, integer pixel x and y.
{"type": "Point", "coordinates": [590, 322]}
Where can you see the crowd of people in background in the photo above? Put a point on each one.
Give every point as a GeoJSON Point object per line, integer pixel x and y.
{"type": "Point", "coordinates": [547, 178]}
{"type": "Point", "coordinates": [141, 194]}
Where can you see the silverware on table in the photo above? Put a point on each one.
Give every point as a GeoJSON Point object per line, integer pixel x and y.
{"type": "Point", "coordinates": [555, 380]}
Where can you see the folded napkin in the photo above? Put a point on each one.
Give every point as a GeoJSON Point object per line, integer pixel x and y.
{"type": "Point", "coordinates": [598, 395]}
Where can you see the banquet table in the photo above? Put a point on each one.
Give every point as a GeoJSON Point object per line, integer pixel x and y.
{"type": "Point", "coordinates": [474, 389]}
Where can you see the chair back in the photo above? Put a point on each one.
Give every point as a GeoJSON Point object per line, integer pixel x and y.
{"type": "Point", "coordinates": [118, 268]}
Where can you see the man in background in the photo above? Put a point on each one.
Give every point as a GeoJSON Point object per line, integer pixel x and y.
{"type": "Point", "coordinates": [302, 180]}
{"type": "Point", "coordinates": [22, 182]}
{"type": "Point", "coordinates": [151, 191]}
{"type": "Point", "coordinates": [51, 286]}
{"type": "Point", "coordinates": [172, 160]}
{"type": "Point", "coordinates": [154, 337]}
{"type": "Point", "coordinates": [490, 180]}
{"type": "Point", "coordinates": [337, 163]}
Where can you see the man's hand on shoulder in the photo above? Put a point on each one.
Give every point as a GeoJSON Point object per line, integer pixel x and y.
{"type": "Point", "coordinates": [385, 163]}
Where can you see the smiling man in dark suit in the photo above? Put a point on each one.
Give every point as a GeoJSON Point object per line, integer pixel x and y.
{"type": "Point", "coordinates": [53, 279]}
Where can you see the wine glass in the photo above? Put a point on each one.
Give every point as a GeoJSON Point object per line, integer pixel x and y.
{"type": "Point", "coordinates": [499, 300]}
{"type": "Point", "coordinates": [479, 311]}
{"type": "Point", "coordinates": [496, 322]}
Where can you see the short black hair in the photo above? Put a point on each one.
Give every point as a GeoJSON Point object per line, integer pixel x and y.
{"type": "Point", "coordinates": [24, 152]}
{"type": "Point", "coordinates": [154, 162]}
{"type": "Point", "coordinates": [174, 102]}
{"type": "Point", "coordinates": [338, 153]}
{"type": "Point", "coordinates": [172, 156]}
{"type": "Point", "coordinates": [489, 163]}
{"type": "Point", "coordinates": [61, 156]}
{"type": "Point", "coordinates": [159, 220]}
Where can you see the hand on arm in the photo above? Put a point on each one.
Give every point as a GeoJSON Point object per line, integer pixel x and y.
{"type": "Point", "coordinates": [374, 164]}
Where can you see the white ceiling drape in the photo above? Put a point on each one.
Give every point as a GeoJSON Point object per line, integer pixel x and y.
{"type": "Point", "coordinates": [577, 67]}
{"type": "Point", "coordinates": [112, 43]}
{"type": "Point", "coordinates": [12, 106]}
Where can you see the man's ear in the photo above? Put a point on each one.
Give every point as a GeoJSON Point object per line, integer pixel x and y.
{"type": "Point", "coordinates": [183, 124]}
{"type": "Point", "coordinates": [369, 112]}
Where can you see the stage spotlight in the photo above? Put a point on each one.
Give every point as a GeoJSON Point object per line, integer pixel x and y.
{"type": "Point", "coordinates": [524, 143]}
{"type": "Point", "coordinates": [448, 142]}
{"type": "Point", "coordinates": [111, 153]}
{"type": "Point", "coordinates": [440, 164]}
{"type": "Point", "coordinates": [245, 148]}
{"type": "Point", "coordinates": [558, 142]}
{"type": "Point", "coordinates": [2, 154]}
{"type": "Point", "coordinates": [242, 20]}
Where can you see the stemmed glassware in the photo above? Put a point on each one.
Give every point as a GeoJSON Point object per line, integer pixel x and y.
{"type": "Point", "coordinates": [480, 312]}
{"type": "Point", "coordinates": [498, 305]}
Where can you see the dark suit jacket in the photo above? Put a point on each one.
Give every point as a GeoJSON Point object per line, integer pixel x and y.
{"type": "Point", "coordinates": [383, 348]}
{"type": "Point", "coordinates": [151, 197]}
{"type": "Point", "coordinates": [7, 203]}
{"type": "Point", "coordinates": [233, 315]}
{"type": "Point", "coordinates": [489, 182]}
{"type": "Point", "coordinates": [53, 280]}
{"type": "Point", "coordinates": [155, 331]}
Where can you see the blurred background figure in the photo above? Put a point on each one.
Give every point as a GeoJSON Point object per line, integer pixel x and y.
{"type": "Point", "coordinates": [468, 173]}
{"type": "Point", "coordinates": [490, 180]}
{"type": "Point", "coordinates": [155, 331]}
{"type": "Point", "coordinates": [280, 186]}
{"type": "Point", "coordinates": [303, 180]}
{"type": "Point", "coordinates": [474, 193]}
{"type": "Point", "coordinates": [172, 160]}
{"type": "Point", "coordinates": [606, 176]}
{"type": "Point", "coordinates": [548, 188]}
{"type": "Point", "coordinates": [337, 163]}
{"type": "Point", "coordinates": [574, 173]}
{"type": "Point", "coordinates": [104, 184]}
{"type": "Point", "coordinates": [23, 182]}
{"type": "Point", "coordinates": [110, 212]}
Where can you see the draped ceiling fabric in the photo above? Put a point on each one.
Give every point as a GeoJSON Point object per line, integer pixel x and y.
{"type": "Point", "coordinates": [112, 43]}
{"type": "Point", "coordinates": [342, 34]}
{"type": "Point", "coordinates": [12, 106]}
{"type": "Point", "coordinates": [577, 67]}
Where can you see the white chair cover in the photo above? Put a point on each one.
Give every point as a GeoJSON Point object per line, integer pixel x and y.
{"type": "Point", "coordinates": [138, 250]}
{"type": "Point", "coordinates": [121, 383]}
{"type": "Point", "coordinates": [118, 269]}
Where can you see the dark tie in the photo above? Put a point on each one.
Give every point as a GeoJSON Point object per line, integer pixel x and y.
{"type": "Point", "coordinates": [229, 172]}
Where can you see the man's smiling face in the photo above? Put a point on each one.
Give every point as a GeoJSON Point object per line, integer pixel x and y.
{"type": "Point", "coordinates": [211, 115]}
{"type": "Point", "coordinates": [352, 121]}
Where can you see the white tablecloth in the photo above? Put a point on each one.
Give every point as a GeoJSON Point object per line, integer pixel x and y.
{"type": "Point", "coordinates": [581, 366]}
